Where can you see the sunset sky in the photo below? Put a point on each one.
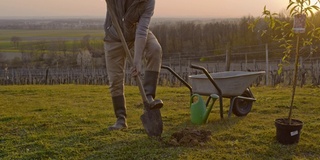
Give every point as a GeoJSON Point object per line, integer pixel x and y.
{"type": "Point", "coordinates": [164, 8]}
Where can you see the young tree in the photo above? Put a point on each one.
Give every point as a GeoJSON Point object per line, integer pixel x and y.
{"type": "Point", "coordinates": [292, 39]}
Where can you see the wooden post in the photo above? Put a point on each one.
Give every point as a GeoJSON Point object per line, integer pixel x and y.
{"type": "Point", "coordinates": [228, 55]}
{"type": "Point", "coordinates": [311, 53]}
{"type": "Point", "coordinates": [267, 64]}
{"type": "Point", "coordinates": [246, 62]}
{"type": "Point", "coordinates": [180, 67]}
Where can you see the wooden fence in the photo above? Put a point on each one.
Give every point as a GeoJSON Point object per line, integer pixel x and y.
{"type": "Point", "coordinates": [308, 74]}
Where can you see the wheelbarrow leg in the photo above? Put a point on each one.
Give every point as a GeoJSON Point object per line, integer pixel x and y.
{"type": "Point", "coordinates": [221, 106]}
{"type": "Point", "coordinates": [220, 103]}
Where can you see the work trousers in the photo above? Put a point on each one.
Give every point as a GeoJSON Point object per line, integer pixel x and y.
{"type": "Point", "coordinates": [116, 61]}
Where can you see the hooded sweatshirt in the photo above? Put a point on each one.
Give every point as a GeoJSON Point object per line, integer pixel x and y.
{"type": "Point", "coordinates": [134, 18]}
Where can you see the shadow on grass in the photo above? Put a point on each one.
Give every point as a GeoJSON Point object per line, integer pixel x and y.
{"type": "Point", "coordinates": [129, 144]}
{"type": "Point", "coordinates": [133, 143]}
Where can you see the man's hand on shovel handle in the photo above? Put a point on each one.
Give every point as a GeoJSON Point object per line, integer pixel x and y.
{"type": "Point", "coordinates": [136, 68]}
{"type": "Point", "coordinates": [139, 46]}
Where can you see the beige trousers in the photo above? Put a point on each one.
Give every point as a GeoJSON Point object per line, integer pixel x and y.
{"type": "Point", "coordinates": [116, 61]}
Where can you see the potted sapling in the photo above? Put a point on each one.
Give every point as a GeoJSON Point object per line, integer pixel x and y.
{"type": "Point", "coordinates": [293, 33]}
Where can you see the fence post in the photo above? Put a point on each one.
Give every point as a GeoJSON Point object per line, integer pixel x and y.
{"type": "Point", "coordinates": [180, 67]}
{"type": "Point", "coordinates": [246, 61]}
{"type": "Point", "coordinates": [267, 65]}
{"type": "Point", "coordinates": [228, 54]}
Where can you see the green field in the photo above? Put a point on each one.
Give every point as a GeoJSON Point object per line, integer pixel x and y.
{"type": "Point", "coordinates": [70, 122]}
{"type": "Point", "coordinates": [7, 34]}
{"type": "Point", "coordinates": [44, 35]}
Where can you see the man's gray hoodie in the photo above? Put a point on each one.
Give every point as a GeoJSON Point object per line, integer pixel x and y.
{"type": "Point", "coordinates": [134, 18]}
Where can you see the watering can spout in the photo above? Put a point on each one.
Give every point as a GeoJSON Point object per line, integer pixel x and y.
{"type": "Point", "coordinates": [213, 97]}
{"type": "Point", "coordinates": [199, 111]}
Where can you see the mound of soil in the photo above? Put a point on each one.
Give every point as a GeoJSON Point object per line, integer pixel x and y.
{"type": "Point", "coordinates": [190, 137]}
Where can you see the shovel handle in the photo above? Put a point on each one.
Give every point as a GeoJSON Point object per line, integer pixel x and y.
{"type": "Point", "coordinates": [126, 48]}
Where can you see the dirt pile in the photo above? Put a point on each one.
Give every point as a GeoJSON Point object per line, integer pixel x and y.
{"type": "Point", "coordinates": [190, 137]}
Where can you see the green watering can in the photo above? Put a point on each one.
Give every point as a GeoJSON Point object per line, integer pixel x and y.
{"type": "Point", "coordinates": [199, 111]}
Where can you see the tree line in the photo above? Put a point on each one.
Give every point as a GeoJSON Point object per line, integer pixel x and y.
{"type": "Point", "coordinates": [186, 41]}
{"type": "Point", "coordinates": [217, 37]}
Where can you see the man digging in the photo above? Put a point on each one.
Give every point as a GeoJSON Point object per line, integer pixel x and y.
{"type": "Point", "coordinates": [134, 18]}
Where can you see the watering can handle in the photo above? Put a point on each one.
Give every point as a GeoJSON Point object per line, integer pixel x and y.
{"type": "Point", "coordinates": [195, 95]}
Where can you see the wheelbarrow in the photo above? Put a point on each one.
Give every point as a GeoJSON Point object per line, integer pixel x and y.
{"type": "Point", "coordinates": [230, 84]}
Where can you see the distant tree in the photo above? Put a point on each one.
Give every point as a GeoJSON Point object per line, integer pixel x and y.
{"type": "Point", "coordinates": [1, 58]}
{"type": "Point", "coordinates": [96, 44]}
{"type": "Point", "coordinates": [26, 54]}
{"type": "Point", "coordinates": [16, 62]}
{"type": "Point", "coordinates": [161, 32]}
{"type": "Point", "coordinates": [84, 59]}
{"type": "Point", "coordinates": [71, 58]}
{"type": "Point", "coordinates": [197, 38]}
{"type": "Point", "coordinates": [63, 52]}
{"type": "Point", "coordinates": [208, 36]}
{"type": "Point", "coordinates": [85, 42]}
{"type": "Point", "coordinates": [15, 41]}
{"type": "Point", "coordinates": [244, 35]}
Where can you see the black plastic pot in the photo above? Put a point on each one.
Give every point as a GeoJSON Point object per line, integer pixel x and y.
{"type": "Point", "coordinates": [288, 133]}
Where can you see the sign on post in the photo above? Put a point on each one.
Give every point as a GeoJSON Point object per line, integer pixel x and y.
{"type": "Point", "coordinates": [299, 24]}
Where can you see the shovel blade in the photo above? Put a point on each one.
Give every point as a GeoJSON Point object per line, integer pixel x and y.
{"type": "Point", "coordinates": [152, 122]}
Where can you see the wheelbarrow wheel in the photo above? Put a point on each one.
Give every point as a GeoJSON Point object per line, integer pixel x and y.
{"type": "Point", "coordinates": [242, 107]}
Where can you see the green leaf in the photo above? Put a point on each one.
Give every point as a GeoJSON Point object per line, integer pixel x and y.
{"type": "Point", "coordinates": [315, 7]}
{"type": "Point", "coordinates": [263, 33]}
{"type": "Point", "coordinates": [307, 2]}
{"type": "Point", "coordinates": [290, 4]}
{"type": "Point", "coordinates": [280, 69]}
{"type": "Point", "coordinates": [312, 14]}
{"type": "Point", "coordinates": [294, 10]}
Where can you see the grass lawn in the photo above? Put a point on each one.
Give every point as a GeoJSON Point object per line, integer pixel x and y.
{"type": "Point", "coordinates": [70, 122]}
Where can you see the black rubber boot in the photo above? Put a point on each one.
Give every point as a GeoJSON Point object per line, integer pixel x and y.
{"type": "Point", "coordinates": [120, 111]}
{"type": "Point", "coordinates": [150, 86]}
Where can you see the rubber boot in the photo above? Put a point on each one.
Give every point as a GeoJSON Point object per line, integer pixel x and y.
{"type": "Point", "coordinates": [120, 111]}
{"type": "Point", "coordinates": [150, 87]}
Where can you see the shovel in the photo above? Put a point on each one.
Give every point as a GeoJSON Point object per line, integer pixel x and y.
{"type": "Point", "coordinates": [151, 118]}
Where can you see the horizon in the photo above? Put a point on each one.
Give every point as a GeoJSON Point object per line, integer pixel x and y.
{"type": "Point", "coordinates": [99, 17]}
{"type": "Point", "coordinates": [97, 8]}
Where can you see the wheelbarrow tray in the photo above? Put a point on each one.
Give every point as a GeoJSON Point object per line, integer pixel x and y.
{"type": "Point", "coordinates": [231, 83]}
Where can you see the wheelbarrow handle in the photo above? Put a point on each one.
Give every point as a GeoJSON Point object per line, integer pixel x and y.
{"type": "Point", "coordinates": [177, 76]}
{"type": "Point", "coordinates": [197, 67]}
{"type": "Point", "coordinates": [205, 71]}
{"type": "Point", "coordinates": [214, 84]}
